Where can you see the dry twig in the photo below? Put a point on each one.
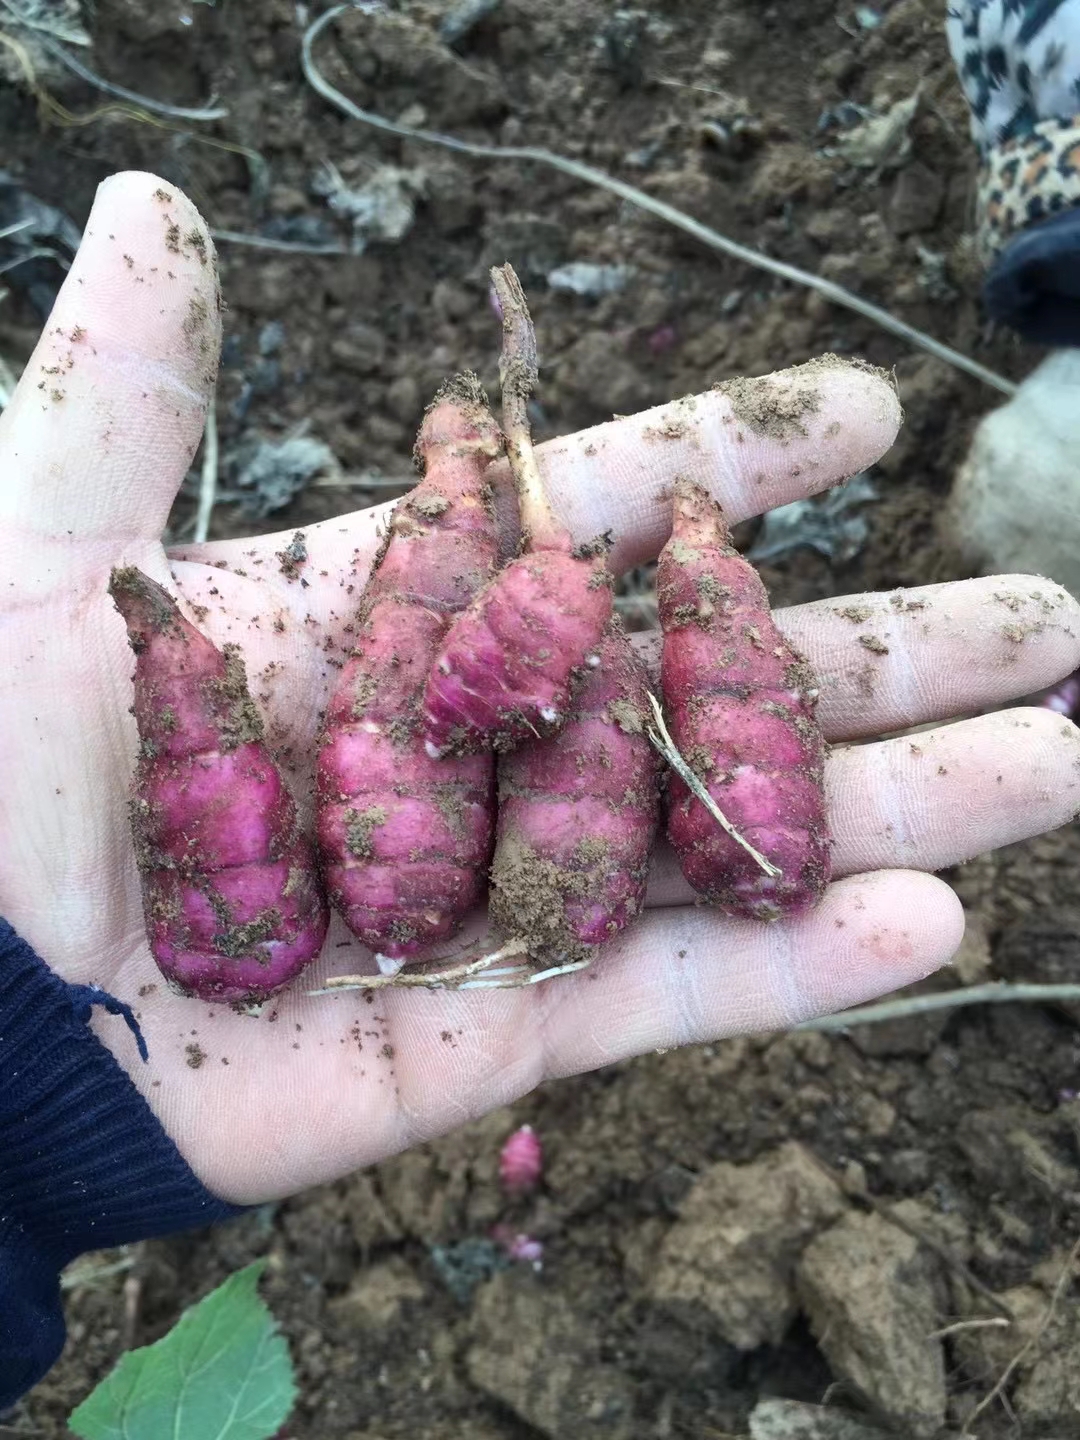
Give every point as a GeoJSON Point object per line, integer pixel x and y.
{"type": "Point", "coordinates": [286, 247]}
{"type": "Point", "coordinates": [20, 15]}
{"type": "Point", "coordinates": [1025, 1349]}
{"type": "Point", "coordinates": [63, 116]}
{"type": "Point", "coordinates": [980, 1322]}
{"type": "Point", "coordinates": [144, 102]}
{"type": "Point", "coordinates": [86, 1274]}
{"type": "Point", "coordinates": [8, 381]}
{"type": "Point", "coordinates": [994, 992]}
{"type": "Point", "coordinates": [836, 294]}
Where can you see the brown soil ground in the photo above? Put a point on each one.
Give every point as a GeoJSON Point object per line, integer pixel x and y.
{"type": "Point", "coordinates": [721, 109]}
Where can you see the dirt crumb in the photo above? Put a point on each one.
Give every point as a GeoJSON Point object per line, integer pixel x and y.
{"type": "Point", "coordinates": [241, 722]}
{"type": "Point", "coordinates": [773, 406]}
{"type": "Point", "coordinates": [528, 897]}
{"type": "Point", "coordinates": [360, 825]}
{"type": "Point", "coordinates": [627, 716]}
{"type": "Point", "coordinates": [873, 644]}
{"type": "Point", "coordinates": [857, 614]}
{"type": "Point", "coordinates": [431, 506]}
{"type": "Point", "coordinates": [292, 559]}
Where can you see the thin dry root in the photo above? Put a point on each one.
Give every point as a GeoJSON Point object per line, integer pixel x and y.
{"type": "Point", "coordinates": [469, 975]}
{"type": "Point", "coordinates": [516, 976]}
{"type": "Point", "coordinates": [661, 738]}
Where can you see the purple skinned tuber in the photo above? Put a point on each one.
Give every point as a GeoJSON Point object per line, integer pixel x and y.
{"type": "Point", "coordinates": [404, 838]}
{"type": "Point", "coordinates": [740, 703]}
{"type": "Point", "coordinates": [578, 814]}
{"type": "Point", "coordinates": [233, 906]}
{"type": "Point", "coordinates": [505, 671]}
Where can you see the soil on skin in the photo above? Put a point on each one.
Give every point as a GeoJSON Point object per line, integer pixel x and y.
{"type": "Point", "coordinates": [400, 1321]}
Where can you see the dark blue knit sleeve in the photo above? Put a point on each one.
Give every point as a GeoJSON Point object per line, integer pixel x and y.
{"type": "Point", "coordinates": [84, 1164]}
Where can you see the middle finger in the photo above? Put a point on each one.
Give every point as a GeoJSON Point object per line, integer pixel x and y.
{"type": "Point", "coordinates": [888, 661]}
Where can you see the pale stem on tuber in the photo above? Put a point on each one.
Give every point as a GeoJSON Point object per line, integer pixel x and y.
{"type": "Point", "coordinates": [661, 738]}
{"type": "Point", "coordinates": [517, 379]}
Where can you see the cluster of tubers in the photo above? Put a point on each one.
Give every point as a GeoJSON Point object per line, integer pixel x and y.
{"type": "Point", "coordinates": [492, 733]}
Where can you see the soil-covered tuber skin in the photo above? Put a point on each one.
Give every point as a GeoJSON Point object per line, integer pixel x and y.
{"type": "Point", "coordinates": [232, 901]}
{"type": "Point", "coordinates": [405, 839]}
{"type": "Point", "coordinates": [577, 817]}
{"type": "Point", "coordinates": [506, 671]}
{"type": "Point", "coordinates": [740, 705]}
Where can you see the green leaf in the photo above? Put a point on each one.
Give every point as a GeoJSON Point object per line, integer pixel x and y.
{"type": "Point", "coordinates": [221, 1373]}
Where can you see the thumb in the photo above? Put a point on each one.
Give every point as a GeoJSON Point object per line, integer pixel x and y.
{"type": "Point", "coordinates": [109, 411]}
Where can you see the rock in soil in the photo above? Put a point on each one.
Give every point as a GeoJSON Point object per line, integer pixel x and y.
{"type": "Point", "coordinates": [535, 1352]}
{"type": "Point", "coordinates": [1042, 1345]}
{"type": "Point", "coordinates": [794, 1420]}
{"type": "Point", "coordinates": [377, 1297]}
{"type": "Point", "coordinates": [873, 1297]}
{"type": "Point", "coordinates": [740, 1232]}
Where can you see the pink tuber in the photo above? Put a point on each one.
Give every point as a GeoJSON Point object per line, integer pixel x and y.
{"type": "Point", "coordinates": [521, 1161]}
{"type": "Point", "coordinates": [232, 902]}
{"type": "Point", "coordinates": [577, 816]}
{"type": "Point", "coordinates": [504, 671]}
{"type": "Point", "coordinates": [404, 838]}
{"type": "Point", "coordinates": [740, 703]}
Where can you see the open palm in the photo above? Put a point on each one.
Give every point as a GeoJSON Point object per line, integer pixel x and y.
{"type": "Point", "coordinates": [92, 449]}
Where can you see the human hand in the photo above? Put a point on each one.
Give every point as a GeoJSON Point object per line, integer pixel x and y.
{"type": "Point", "coordinates": [92, 450]}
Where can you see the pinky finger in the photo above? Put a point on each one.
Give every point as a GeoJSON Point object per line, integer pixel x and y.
{"type": "Point", "coordinates": [688, 975]}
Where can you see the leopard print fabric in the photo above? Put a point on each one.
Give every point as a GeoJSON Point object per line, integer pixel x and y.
{"type": "Point", "coordinates": [1026, 180]}
{"type": "Point", "coordinates": [1019, 64]}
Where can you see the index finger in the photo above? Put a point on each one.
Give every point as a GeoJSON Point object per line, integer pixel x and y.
{"type": "Point", "coordinates": [753, 444]}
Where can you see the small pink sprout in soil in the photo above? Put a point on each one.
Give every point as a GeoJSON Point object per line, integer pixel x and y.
{"type": "Point", "coordinates": [521, 1162]}
{"type": "Point", "coordinates": [522, 1248]}
{"type": "Point", "coordinates": [662, 339]}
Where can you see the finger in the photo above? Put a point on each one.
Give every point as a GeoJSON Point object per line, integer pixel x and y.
{"type": "Point", "coordinates": [936, 799]}
{"type": "Point", "coordinates": [948, 649]}
{"type": "Point", "coordinates": [357, 1082]}
{"type": "Point", "coordinates": [676, 977]}
{"type": "Point", "coordinates": [109, 410]}
{"type": "Point", "coordinates": [888, 661]}
{"type": "Point", "coordinates": [758, 445]}
{"type": "Point", "coordinates": [754, 446]}
{"type": "Point", "coordinates": [885, 662]}
{"type": "Point", "coordinates": [685, 976]}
